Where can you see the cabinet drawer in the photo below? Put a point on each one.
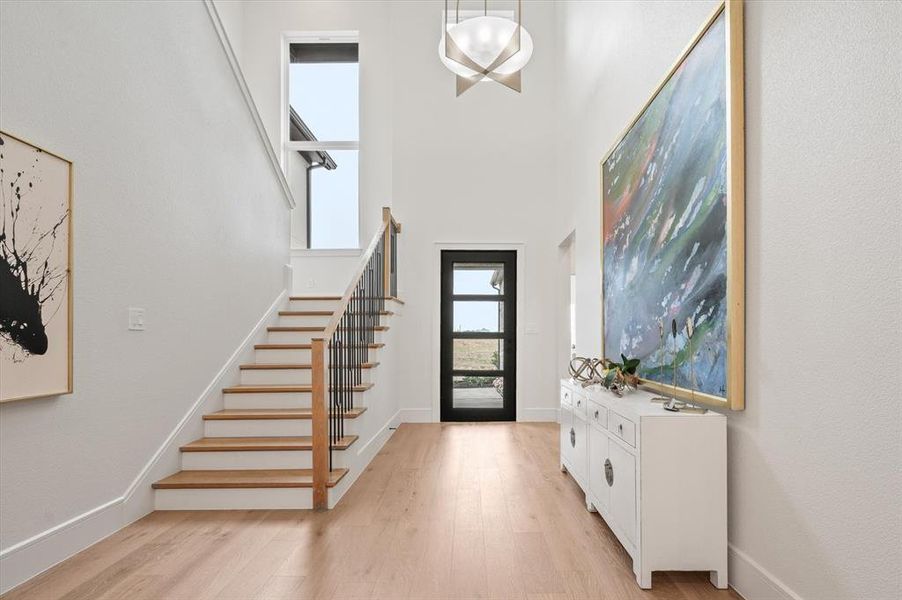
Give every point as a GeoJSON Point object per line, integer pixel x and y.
{"type": "Point", "coordinates": [598, 415]}
{"type": "Point", "coordinates": [566, 396]}
{"type": "Point", "coordinates": [622, 428]}
{"type": "Point", "coordinates": [579, 403]}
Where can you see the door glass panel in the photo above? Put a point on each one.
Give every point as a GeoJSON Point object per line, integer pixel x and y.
{"type": "Point", "coordinates": [478, 316]}
{"type": "Point", "coordinates": [476, 278]}
{"type": "Point", "coordinates": [478, 392]}
{"type": "Point", "coordinates": [478, 355]}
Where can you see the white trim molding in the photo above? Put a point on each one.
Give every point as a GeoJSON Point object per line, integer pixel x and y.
{"type": "Point", "coordinates": [520, 248]}
{"type": "Point", "coordinates": [249, 102]}
{"type": "Point", "coordinates": [754, 582]}
{"type": "Point", "coordinates": [29, 558]}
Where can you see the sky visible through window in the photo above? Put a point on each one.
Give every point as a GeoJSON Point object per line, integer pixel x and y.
{"type": "Point", "coordinates": [325, 95]}
{"type": "Point", "coordinates": [474, 316]}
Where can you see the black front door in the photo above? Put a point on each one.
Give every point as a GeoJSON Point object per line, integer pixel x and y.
{"type": "Point", "coordinates": [479, 335]}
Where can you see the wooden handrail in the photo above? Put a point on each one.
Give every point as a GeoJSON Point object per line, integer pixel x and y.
{"type": "Point", "coordinates": [346, 298]}
{"type": "Point", "coordinates": [319, 346]}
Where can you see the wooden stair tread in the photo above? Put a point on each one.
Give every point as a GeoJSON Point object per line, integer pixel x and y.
{"type": "Point", "coordinates": [274, 389]}
{"type": "Point", "coordinates": [250, 478]}
{"type": "Point", "coordinates": [315, 328]}
{"type": "Point", "coordinates": [241, 444]}
{"type": "Point", "coordinates": [239, 414]}
{"type": "Point", "coordinates": [302, 298]}
{"type": "Point", "coordinates": [300, 346]}
{"type": "Point", "coordinates": [288, 366]}
{"type": "Point", "coordinates": [322, 313]}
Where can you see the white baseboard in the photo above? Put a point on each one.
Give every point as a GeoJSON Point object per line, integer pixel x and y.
{"type": "Point", "coordinates": [415, 415]}
{"type": "Point", "coordinates": [20, 562]}
{"type": "Point", "coordinates": [754, 582]}
{"type": "Point", "coordinates": [545, 415]}
{"type": "Point", "coordinates": [28, 558]}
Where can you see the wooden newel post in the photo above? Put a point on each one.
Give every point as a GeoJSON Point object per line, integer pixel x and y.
{"type": "Point", "coordinates": [386, 254]}
{"type": "Point", "coordinates": [320, 425]}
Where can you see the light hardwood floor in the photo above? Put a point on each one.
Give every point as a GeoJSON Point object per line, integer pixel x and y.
{"type": "Point", "coordinates": [444, 511]}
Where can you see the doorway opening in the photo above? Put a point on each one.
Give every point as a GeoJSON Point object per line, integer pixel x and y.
{"type": "Point", "coordinates": [479, 335]}
{"type": "Point", "coordinates": [566, 313]}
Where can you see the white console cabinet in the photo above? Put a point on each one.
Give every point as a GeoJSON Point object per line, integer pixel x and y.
{"type": "Point", "coordinates": [658, 478]}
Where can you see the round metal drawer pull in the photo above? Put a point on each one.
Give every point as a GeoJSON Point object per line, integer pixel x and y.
{"type": "Point", "coordinates": [573, 437]}
{"type": "Point", "coordinates": [596, 414]}
{"type": "Point", "coordinates": [609, 472]}
{"type": "Point", "coordinates": [579, 402]}
{"type": "Point", "coordinates": [620, 427]}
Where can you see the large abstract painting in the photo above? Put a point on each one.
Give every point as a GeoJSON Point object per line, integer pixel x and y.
{"type": "Point", "coordinates": [35, 271]}
{"type": "Point", "coordinates": [672, 226]}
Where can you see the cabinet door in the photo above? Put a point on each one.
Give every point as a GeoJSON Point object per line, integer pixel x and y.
{"type": "Point", "coordinates": [623, 490]}
{"type": "Point", "coordinates": [566, 425]}
{"type": "Point", "coordinates": [598, 454]}
{"type": "Point", "coordinates": [580, 448]}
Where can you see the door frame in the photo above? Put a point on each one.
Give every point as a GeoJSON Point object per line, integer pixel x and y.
{"type": "Point", "coordinates": [520, 247]}
{"type": "Point", "coordinates": [508, 370]}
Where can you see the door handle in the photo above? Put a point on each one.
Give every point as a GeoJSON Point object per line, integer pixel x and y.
{"type": "Point", "coordinates": [609, 472]}
{"type": "Point", "coordinates": [573, 437]}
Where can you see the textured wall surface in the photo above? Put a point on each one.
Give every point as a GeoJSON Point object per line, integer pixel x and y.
{"type": "Point", "coordinates": [815, 458]}
{"type": "Point", "coordinates": [175, 210]}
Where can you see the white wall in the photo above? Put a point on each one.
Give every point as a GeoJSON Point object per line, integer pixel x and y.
{"type": "Point", "coordinates": [265, 21]}
{"type": "Point", "coordinates": [475, 169]}
{"type": "Point", "coordinates": [815, 457]}
{"type": "Point", "coordinates": [176, 210]}
{"type": "Point", "coordinates": [260, 30]}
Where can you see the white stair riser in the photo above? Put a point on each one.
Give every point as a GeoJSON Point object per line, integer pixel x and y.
{"type": "Point", "coordinates": [287, 376]}
{"type": "Point", "coordinates": [304, 320]}
{"type": "Point", "coordinates": [276, 400]}
{"type": "Point", "coordinates": [264, 427]}
{"type": "Point", "coordinates": [276, 376]}
{"type": "Point", "coordinates": [313, 304]}
{"type": "Point", "coordinates": [234, 499]}
{"type": "Point", "coordinates": [270, 400]}
{"type": "Point", "coordinates": [282, 356]}
{"type": "Point", "coordinates": [301, 357]}
{"type": "Point", "coordinates": [302, 337]}
{"type": "Point", "coordinates": [248, 459]}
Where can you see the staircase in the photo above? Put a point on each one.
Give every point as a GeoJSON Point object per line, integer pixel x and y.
{"type": "Point", "coordinates": [282, 437]}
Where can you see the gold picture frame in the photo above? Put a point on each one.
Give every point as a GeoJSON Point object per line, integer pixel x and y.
{"type": "Point", "coordinates": [735, 210]}
{"type": "Point", "coordinates": [66, 386]}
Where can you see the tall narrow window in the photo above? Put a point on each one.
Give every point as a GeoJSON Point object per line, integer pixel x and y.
{"type": "Point", "coordinates": [323, 140]}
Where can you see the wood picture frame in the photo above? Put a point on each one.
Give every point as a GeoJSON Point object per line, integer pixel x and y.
{"type": "Point", "coordinates": [36, 311]}
{"type": "Point", "coordinates": [731, 395]}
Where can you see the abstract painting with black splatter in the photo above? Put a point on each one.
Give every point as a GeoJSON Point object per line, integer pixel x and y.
{"type": "Point", "coordinates": [35, 317]}
{"type": "Point", "coordinates": [664, 206]}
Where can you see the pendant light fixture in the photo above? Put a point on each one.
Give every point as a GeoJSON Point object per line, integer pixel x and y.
{"type": "Point", "coordinates": [485, 47]}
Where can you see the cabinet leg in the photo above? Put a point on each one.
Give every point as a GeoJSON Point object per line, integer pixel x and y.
{"type": "Point", "coordinates": [563, 468]}
{"type": "Point", "coordinates": [589, 506]}
{"type": "Point", "coordinates": [719, 579]}
{"type": "Point", "coordinates": [643, 578]}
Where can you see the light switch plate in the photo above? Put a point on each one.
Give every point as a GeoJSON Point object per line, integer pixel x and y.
{"type": "Point", "coordinates": [136, 319]}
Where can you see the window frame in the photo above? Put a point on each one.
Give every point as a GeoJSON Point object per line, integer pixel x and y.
{"type": "Point", "coordinates": [287, 146]}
